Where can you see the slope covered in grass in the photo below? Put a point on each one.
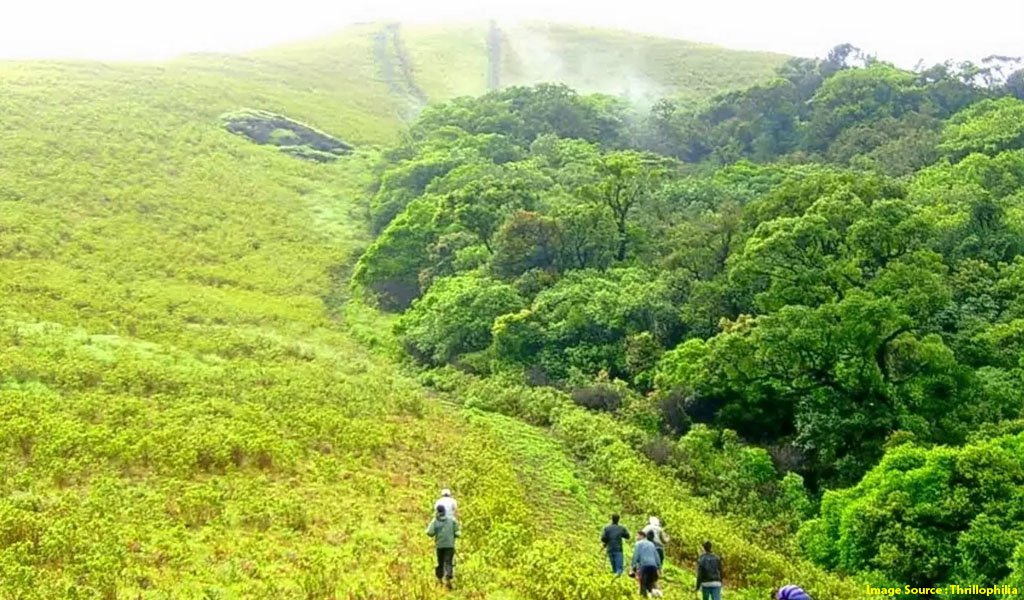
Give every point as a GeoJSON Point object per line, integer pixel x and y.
{"type": "Point", "coordinates": [182, 413]}
{"type": "Point", "coordinates": [379, 75]}
{"type": "Point", "coordinates": [454, 61]}
{"type": "Point", "coordinates": [642, 68]}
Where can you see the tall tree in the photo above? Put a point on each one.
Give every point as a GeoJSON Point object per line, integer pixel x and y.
{"type": "Point", "coordinates": [627, 180]}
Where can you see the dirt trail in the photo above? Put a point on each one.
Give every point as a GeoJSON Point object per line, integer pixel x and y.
{"type": "Point", "coordinates": [494, 35]}
{"type": "Point", "coordinates": [382, 58]}
{"type": "Point", "coordinates": [396, 69]}
{"type": "Point", "coordinates": [405, 66]}
{"type": "Point", "coordinates": [392, 58]}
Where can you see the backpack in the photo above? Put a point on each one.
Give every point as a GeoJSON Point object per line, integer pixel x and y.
{"type": "Point", "coordinates": [710, 568]}
{"type": "Point", "coordinates": [659, 536]}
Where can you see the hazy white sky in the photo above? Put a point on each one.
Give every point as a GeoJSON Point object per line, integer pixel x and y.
{"type": "Point", "coordinates": [901, 31]}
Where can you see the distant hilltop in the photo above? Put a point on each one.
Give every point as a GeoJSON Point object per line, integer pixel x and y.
{"type": "Point", "coordinates": [419, 64]}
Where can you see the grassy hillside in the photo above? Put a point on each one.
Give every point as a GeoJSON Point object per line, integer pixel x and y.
{"type": "Point", "coordinates": [643, 68]}
{"type": "Point", "coordinates": [378, 75]}
{"type": "Point", "coordinates": [451, 61]}
{"type": "Point", "coordinates": [182, 415]}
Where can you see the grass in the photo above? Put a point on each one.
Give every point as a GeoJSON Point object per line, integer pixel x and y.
{"type": "Point", "coordinates": [182, 416]}
{"type": "Point", "coordinates": [644, 68]}
{"type": "Point", "coordinates": [182, 413]}
{"type": "Point", "coordinates": [138, 469]}
{"type": "Point", "coordinates": [448, 61]}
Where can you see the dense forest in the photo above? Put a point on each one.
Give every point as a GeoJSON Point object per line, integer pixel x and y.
{"type": "Point", "coordinates": [802, 299]}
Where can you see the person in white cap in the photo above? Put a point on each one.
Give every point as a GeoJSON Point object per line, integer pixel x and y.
{"type": "Point", "coordinates": [446, 501]}
{"type": "Point", "coordinates": [660, 537]}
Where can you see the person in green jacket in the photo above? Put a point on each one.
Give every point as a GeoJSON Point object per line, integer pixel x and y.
{"type": "Point", "coordinates": [444, 529]}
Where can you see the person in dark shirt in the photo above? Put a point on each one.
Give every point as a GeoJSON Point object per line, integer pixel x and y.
{"type": "Point", "coordinates": [709, 574]}
{"type": "Point", "coordinates": [611, 538]}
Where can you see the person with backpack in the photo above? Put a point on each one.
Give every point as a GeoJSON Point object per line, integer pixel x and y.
{"type": "Point", "coordinates": [444, 529]}
{"type": "Point", "coordinates": [646, 564]}
{"type": "Point", "coordinates": [611, 539]}
{"type": "Point", "coordinates": [790, 592]}
{"type": "Point", "coordinates": [709, 574]}
{"type": "Point", "coordinates": [660, 537]}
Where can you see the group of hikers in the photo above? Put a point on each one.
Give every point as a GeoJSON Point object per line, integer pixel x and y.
{"type": "Point", "coordinates": [646, 565]}
{"type": "Point", "coordinates": [649, 558]}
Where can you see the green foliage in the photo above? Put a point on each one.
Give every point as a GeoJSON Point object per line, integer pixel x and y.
{"type": "Point", "coordinates": [402, 183]}
{"type": "Point", "coordinates": [526, 241]}
{"type": "Point", "coordinates": [582, 323]}
{"type": "Point", "coordinates": [760, 122]}
{"type": "Point", "coordinates": [391, 266]}
{"type": "Point", "coordinates": [872, 116]}
{"type": "Point", "coordinates": [927, 516]}
{"type": "Point", "coordinates": [860, 95]}
{"type": "Point", "coordinates": [587, 236]}
{"type": "Point", "coordinates": [988, 127]}
{"type": "Point", "coordinates": [184, 408]}
{"type": "Point", "coordinates": [486, 168]}
{"type": "Point", "coordinates": [625, 183]}
{"type": "Point", "coordinates": [455, 317]}
{"type": "Point", "coordinates": [741, 479]}
{"type": "Point", "coordinates": [842, 376]}
{"type": "Point", "coordinates": [525, 113]}
{"type": "Point", "coordinates": [485, 202]}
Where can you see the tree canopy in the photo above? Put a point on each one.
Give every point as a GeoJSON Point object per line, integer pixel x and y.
{"type": "Point", "coordinates": [784, 282]}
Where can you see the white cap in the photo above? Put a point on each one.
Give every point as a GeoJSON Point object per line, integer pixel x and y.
{"type": "Point", "coordinates": [446, 492]}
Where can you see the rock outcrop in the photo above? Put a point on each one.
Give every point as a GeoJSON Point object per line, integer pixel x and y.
{"type": "Point", "coordinates": [292, 137]}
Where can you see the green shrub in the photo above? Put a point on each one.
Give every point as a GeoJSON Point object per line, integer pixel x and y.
{"type": "Point", "coordinates": [600, 396]}
{"type": "Point", "coordinates": [927, 516]}
{"type": "Point", "coordinates": [455, 317]}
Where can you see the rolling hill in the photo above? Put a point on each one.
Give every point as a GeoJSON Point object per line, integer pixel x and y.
{"type": "Point", "coordinates": [365, 82]}
{"type": "Point", "coordinates": [189, 409]}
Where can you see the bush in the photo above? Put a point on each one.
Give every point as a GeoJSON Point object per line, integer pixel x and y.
{"type": "Point", "coordinates": [455, 317]}
{"type": "Point", "coordinates": [741, 479]}
{"type": "Point", "coordinates": [928, 516]}
{"type": "Point", "coordinates": [600, 396]}
{"type": "Point", "coordinates": [660, 450]}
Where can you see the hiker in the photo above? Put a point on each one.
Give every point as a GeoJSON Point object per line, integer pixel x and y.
{"type": "Point", "coordinates": [451, 507]}
{"type": "Point", "coordinates": [444, 530]}
{"type": "Point", "coordinates": [709, 574]}
{"type": "Point", "coordinates": [660, 537]}
{"type": "Point", "coordinates": [790, 592]}
{"type": "Point", "coordinates": [611, 539]}
{"type": "Point", "coordinates": [646, 563]}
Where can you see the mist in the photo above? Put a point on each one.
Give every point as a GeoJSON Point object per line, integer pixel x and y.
{"type": "Point", "coordinates": [903, 32]}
